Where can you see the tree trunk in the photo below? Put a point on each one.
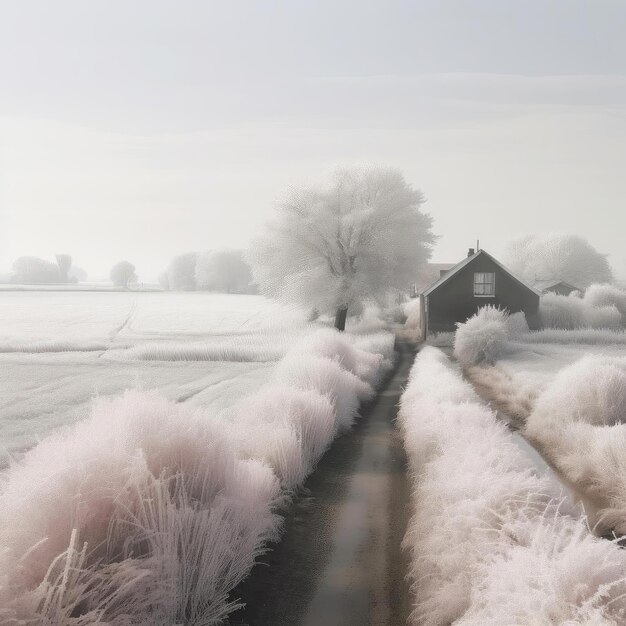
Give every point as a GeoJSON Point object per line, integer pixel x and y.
{"type": "Point", "coordinates": [340, 317]}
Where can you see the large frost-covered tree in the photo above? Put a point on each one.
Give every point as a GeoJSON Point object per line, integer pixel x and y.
{"type": "Point", "coordinates": [557, 257]}
{"type": "Point", "coordinates": [360, 238]}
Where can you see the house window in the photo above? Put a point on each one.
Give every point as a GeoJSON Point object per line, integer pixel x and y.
{"type": "Point", "coordinates": [484, 284]}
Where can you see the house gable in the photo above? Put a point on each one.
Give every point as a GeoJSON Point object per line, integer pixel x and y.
{"type": "Point", "coordinates": [452, 298]}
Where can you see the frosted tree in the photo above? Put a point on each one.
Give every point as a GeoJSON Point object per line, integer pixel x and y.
{"type": "Point", "coordinates": [30, 269]}
{"type": "Point", "coordinates": [557, 257]}
{"type": "Point", "coordinates": [225, 271]}
{"type": "Point", "coordinates": [358, 239]}
{"type": "Point", "coordinates": [77, 274]}
{"type": "Point", "coordinates": [64, 261]}
{"type": "Point", "coordinates": [123, 273]}
{"type": "Point", "coordinates": [181, 272]}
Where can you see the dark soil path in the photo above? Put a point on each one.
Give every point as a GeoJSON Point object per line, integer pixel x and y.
{"type": "Point", "coordinates": [340, 562]}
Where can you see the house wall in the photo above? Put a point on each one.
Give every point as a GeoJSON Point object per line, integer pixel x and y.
{"type": "Point", "coordinates": [454, 301]}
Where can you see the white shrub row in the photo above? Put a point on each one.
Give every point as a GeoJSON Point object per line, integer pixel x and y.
{"type": "Point", "coordinates": [150, 512]}
{"type": "Point", "coordinates": [489, 544]}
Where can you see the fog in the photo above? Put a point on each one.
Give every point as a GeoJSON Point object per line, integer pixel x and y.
{"type": "Point", "coordinates": [141, 131]}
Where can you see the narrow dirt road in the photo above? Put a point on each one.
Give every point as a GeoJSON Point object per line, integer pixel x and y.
{"type": "Point", "coordinates": [339, 562]}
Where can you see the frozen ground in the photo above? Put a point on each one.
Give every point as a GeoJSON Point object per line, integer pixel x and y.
{"type": "Point", "coordinates": [59, 350]}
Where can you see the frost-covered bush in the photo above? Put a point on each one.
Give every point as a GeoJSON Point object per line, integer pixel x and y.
{"type": "Point", "coordinates": [573, 312]}
{"type": "Point", "coordinates": [367, 356]}
{"type": "Point", "coordinates": [607, 296]}
{"type": "Point", "coordinates": [287, 428]}
{"type": "Point", "coordinates": [592, 390]}
{"type": "Point", "coordinates": [150, 512]}
{"type": "Point", "coordinates": [581, 578]}
{"type": "Point", "coordinates": [516, 325]}
{"type": "Point", "coordinates": [488, 541]}
{"type": "Point", "coordinates": [342, 387]}
{"type": "Point", "coordinates": [579, 423]}
{"type": "Point", "coordinates": [412, 312]}
{"type": "Point", "coordinates": [481, 339]}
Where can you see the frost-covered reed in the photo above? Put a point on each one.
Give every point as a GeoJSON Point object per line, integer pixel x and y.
{"type": "Point", "coordinates": [490, 541]}
{"type": "Point", "coordinates": [588, 336]}
{"type": "Point", "coordinates": [53, 345]}
{"type": "Point", "coordinates": [246, 350]}
{"type": "Point", "coordinates": [150, 512]}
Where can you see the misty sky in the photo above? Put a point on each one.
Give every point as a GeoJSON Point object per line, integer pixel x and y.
{"type": "Point", "coordinates": [139, 129]}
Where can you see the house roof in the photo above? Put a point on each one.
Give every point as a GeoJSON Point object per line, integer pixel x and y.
{"type": "Point", "coordinates": [466, 261]}
{"type": "Point", "coordinates": [542, 285]}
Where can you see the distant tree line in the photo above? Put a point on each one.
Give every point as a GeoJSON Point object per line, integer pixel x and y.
{"type": "Point", "coordinates": [33, 270]}
{"type": "Point", "coordinates": [223, 271]}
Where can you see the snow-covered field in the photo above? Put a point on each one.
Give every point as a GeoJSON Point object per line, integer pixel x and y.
{"type": "Point", "coordinates": [60, 350]}
{"type": "Point", "coordinates": [152, 508]}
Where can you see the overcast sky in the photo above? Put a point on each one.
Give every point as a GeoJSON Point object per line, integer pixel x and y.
{"type": "Point", "coordinates": [139, 129]}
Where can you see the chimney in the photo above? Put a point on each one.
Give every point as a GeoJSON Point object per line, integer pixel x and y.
{"type": "Point", "coordinates": [470, 252]}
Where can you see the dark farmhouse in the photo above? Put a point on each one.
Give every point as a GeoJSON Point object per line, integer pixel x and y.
{"type": "Point", "coordinates": [476, 281]}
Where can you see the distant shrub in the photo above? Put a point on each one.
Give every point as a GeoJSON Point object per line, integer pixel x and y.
{"type": "Point", "coordinates": [572, 312]}
{"type": "Point", "coordinates": [607, 296]}
{"type": "Point", "coordinates": [481, 339]}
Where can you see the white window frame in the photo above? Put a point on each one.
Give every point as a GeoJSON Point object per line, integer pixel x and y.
{"type": "Point", "coordinates": [484, 282]}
